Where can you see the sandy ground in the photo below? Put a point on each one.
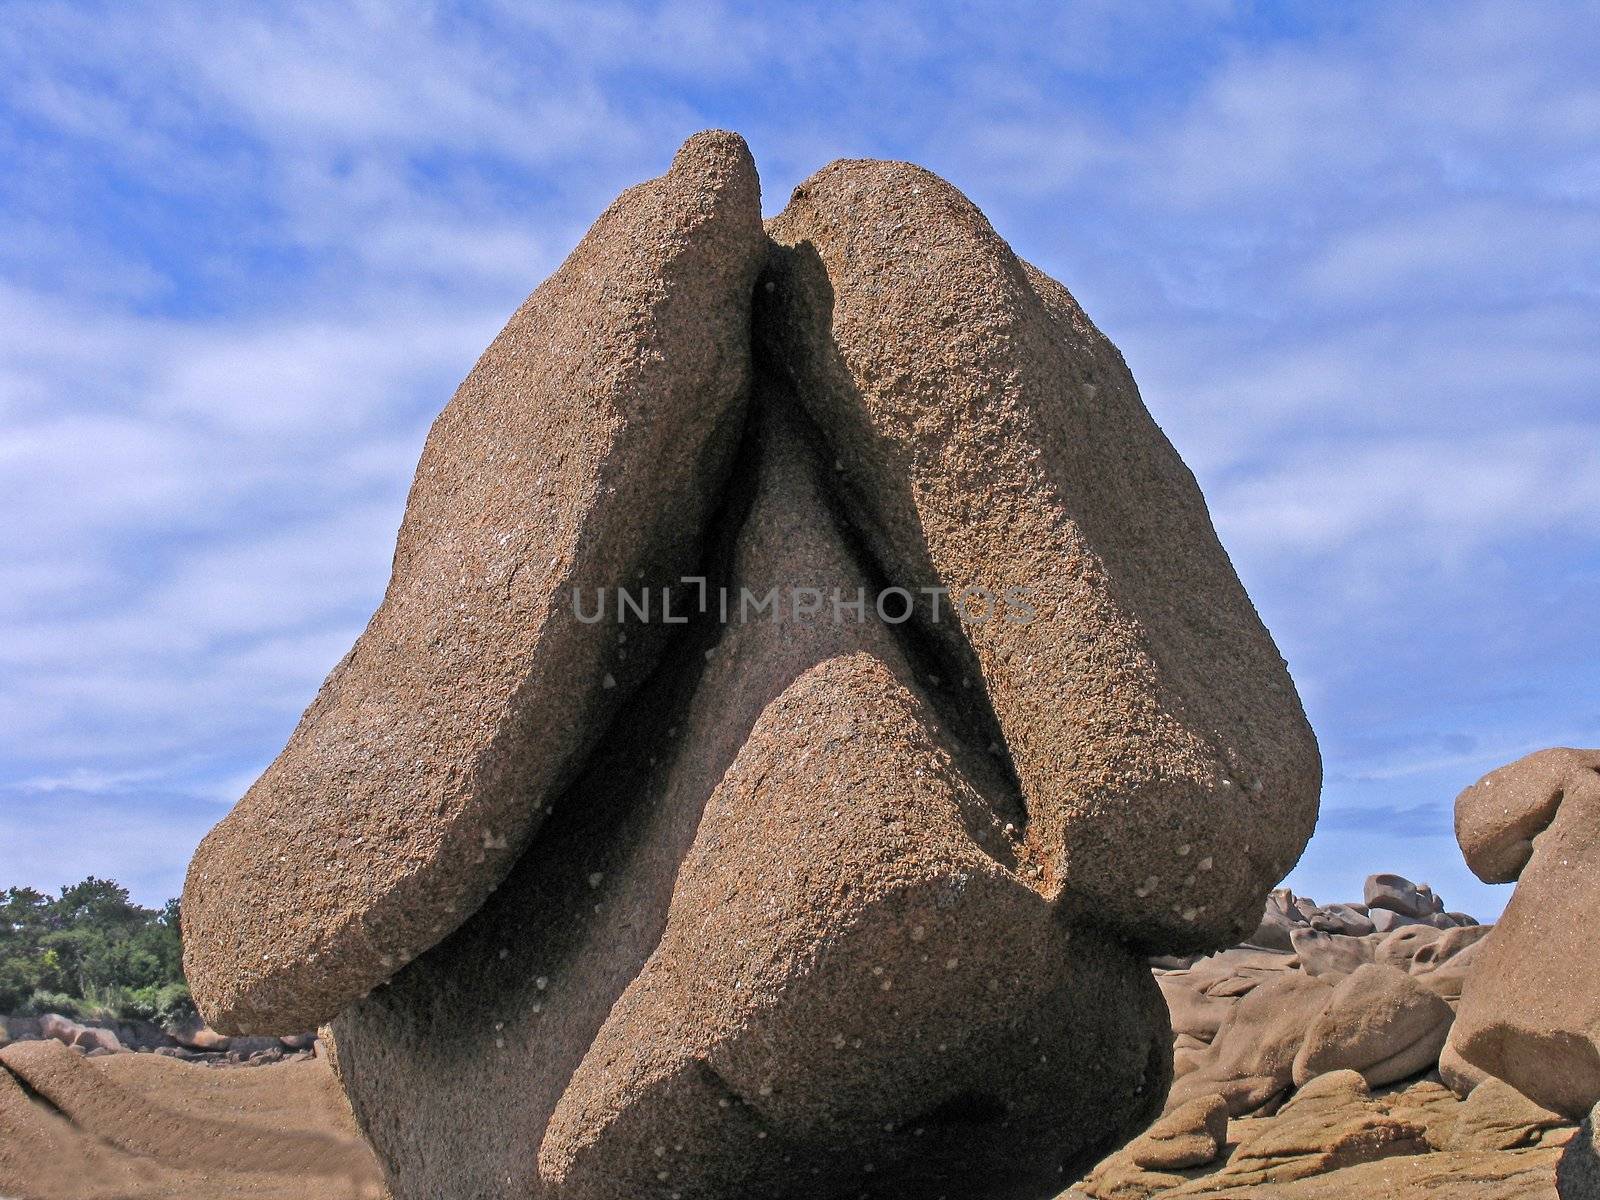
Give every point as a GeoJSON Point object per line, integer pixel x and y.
{"type": "Point", "coordinates": [142, 1126]}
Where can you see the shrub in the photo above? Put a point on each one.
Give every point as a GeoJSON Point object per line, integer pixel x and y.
{"type": "Point", "coordinates": [41, 1002]}
{"type": "Point", "coordinates": [169, 1006]}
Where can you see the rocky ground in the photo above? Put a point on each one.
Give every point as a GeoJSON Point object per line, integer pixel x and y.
{"type": "Point", "coordinates": [197, 1044]}
{"type": "Point", "coordinates": [1338, 1138]}
{"type": "Point", "coordinates": [1312, 1063]}
{"type": "Point", "coordinates": [1315, 1061]}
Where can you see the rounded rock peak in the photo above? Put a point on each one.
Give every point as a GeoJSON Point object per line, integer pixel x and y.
{"type": "Point", "coordinates": [719, 156]}
{"type": "Point", "coordinates": [873, 189]}
{"type": "Point", "coordinates": [1498, 817]}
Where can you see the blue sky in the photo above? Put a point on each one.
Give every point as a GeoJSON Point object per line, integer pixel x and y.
{"type": "Point", "coordinates": [1352, 253]}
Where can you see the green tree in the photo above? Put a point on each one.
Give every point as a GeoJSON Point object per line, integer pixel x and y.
{"type": "Point", "coordinates": [91, 949]}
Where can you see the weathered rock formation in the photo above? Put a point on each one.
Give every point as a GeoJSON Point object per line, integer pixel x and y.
{"type": "Point", "coordinates": [987, 437]}
{"type": "Point", "coordinates": [1380, 1022]}
{"type": "Point", "coordinates": [832, 902]}
{"type": "Point", "coordinates": [1332, 1064]}
{"type": "Point", "coordinates": [1531, 1013]}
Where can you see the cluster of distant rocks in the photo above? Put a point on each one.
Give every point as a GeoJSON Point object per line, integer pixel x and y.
{"type": "Point", "coordinates": [1366, 986]}
{"type": "Point", "coordinates": [1388, 903]}
{"type": "Point", "coordinates": [1390, 1048]}
{"type": "Point", "coordinates": [196, 1043]}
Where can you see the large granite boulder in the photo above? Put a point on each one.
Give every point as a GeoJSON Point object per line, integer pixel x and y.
{"type": "Point", "coordinates": [1399, 895]}
{"type": "Point", "coordinates": [1250, 1063]}
{"type": "Point", "coordinates": [822, 901]}
{"type": "Point", "coordinates": [586, 448]}
{"type": "Point", "coordinates": [1530, 1012]}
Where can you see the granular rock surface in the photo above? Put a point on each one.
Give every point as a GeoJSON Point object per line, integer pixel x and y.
{"type": "Point", "coordinates": [990, 440]}
{"type": "Point", "coordinates": [1531, 1014]}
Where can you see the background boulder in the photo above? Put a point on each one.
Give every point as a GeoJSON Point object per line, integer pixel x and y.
{"type": "Point", "coordinates": [1530, 1012]}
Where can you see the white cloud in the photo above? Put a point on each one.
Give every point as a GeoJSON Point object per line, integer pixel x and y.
{"type": "Point", "coordinates": [1497, 250]}
{"type": "Point", "coordinates": [88, 782]}
{"type": "Point", "coordinates": [56, 839]}
{"type": "Point", "coordinates": [204, 539]}
{"type": "Point", "coordinates": [312, 379]}
{"type": "Point", "coordinates": [1427, 501]}
{"type": "Point", "coordinates": [1353, 266]}
{"type": "Point", "coordinates": [1377, 109]}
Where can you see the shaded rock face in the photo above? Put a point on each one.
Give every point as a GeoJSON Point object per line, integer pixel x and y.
{"type": "Point", "coordinates": [587, 446]}
{"type": "Point", "coordinates": [1578, 1172]}
{"type": "Point", "coordinates": [832, 905]}
{"type": "Point", "coordinates": [1530, 1012]}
